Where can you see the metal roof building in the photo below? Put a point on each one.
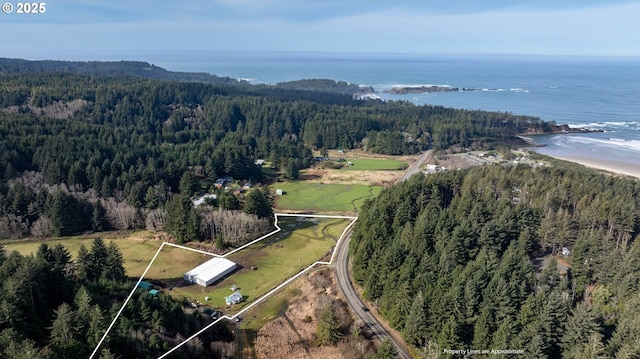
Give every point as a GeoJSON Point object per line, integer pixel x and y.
{"type": "Point", "coordinates": [210, 271]}
{"type": "Point", "coordinates": [234, 298]}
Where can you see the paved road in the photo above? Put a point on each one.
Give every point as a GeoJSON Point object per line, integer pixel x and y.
{"type": "Point", "coordinates": [415, 167]}
{"type": "Point", "coordinates": [344, 282]}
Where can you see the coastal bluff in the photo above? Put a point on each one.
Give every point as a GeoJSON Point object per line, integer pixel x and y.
{"type": "Point", "coordinates": [555, 129]}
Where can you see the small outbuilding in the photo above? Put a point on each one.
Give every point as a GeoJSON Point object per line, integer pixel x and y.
{"type": "Point", "coordinates": [234, 298]}
{"type": "Point", "coordinates": [145, 285]}
{"type": "Point", "coordinates": [210, 271]}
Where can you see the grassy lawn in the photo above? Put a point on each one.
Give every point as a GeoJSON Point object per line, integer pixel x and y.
{"type": "Point", "coordinates": [276, 259]}
{"type": "Point", "coordinates": [172, 263]}
{"type": "Point", "coordinates": [305, 196]}
{"type": "Point", "coordinates": [376, 165]}
{"type": "Point", "coordinates": [136, 251]}
{"type": "Point", "coordinates": [270, 309]}
{"type": "Point", "coordinates": [300, 243]}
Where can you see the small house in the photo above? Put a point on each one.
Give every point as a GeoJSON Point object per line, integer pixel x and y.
{"type": "Point", "coordinates": [219, 183]}
{"type": "Point", "coordinates": [432, 168]}
{"type": "Point", "coordinates": [154, 292]}
{"type": "Point", "coordinates": [279, 192]}
{"type": "Point", "coordinates": [246, 186]}
{"type": "Point", "coordinates": [234, 298]}
{"type": "Point", "coordinates": [565, 251]}
{"type": "Point", "coordinates": [259, 162]}
{"type": "Point", "coordinates": [349, 164]}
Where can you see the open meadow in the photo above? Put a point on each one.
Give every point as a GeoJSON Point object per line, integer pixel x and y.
{"type": "Point", "coordinates": [264, 265]}
{"type": "Point", "coordinates": [137, 248]}
{"type": "Point", "coordinates": [376, 164]}
{"type": "Point", "coordinates": [323, 197]}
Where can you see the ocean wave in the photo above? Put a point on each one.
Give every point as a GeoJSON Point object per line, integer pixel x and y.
{"type": "Point", "coordinates": [514, 89]}
{"type": "Point", "coordinates": [247, 79]}
{"type": "Point", "coordinates": [606, 124]}
{"type": "Point", "coordinates": [609, 142]}
{"type": "Point", "coordinates": [385, 87]}
{"type": "Point", "coordinates": [390, 86]}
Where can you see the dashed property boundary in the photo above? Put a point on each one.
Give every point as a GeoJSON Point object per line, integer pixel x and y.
{"type": "Point", "coordinates": [255, 302]}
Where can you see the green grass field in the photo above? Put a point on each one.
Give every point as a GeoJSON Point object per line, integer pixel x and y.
{"type": "Point", "coordinates": [275, 259]}
{"type": "Point", "coordinates": [136, 252]}
{"type": "Point", "coordinates": [270, 309]}
{"type": "Point", "coordinates": [305, 196]}
{"type": "Point", "coordinates": [300, 243]}
{"type": "Point", "coordinates": [376, 165]}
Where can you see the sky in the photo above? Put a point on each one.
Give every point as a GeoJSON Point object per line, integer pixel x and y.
{"type": "Point", "coordinates": [120, 29]}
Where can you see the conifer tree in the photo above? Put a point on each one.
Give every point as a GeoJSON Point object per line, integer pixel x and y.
{"type": "Point", "coordinates": [256, 202]}
{"type": "Point", "coordinates": [416, 322]}
{"type": "Point", "coordinates": [328, 328]}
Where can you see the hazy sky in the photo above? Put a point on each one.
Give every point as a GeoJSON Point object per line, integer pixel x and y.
{"type": "Point", "coordinates": [115, 29]}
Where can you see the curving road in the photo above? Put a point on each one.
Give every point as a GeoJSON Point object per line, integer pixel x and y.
{"type": "Point", "coordinates": [350, 295]}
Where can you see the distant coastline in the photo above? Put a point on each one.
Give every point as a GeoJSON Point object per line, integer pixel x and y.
{"type": "Point", "coordinates": [418, 89]}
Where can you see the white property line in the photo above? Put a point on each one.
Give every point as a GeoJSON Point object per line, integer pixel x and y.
{"type": "Point", "coordinates": [126, 301]}
{"type": "Point", "coordinates": [192, 249]}
{"type": "Point", "coordinates": [255, 302]}
{"type": "Point", "coordinates": [278, 229]}
{"type": "Point", "coordinates": [276, 289]}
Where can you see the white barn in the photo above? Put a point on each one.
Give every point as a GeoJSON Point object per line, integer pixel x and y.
{"type": "Point", "coordinates": [210, 271]}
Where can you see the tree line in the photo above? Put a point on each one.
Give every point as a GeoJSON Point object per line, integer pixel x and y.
{"type": "Point", "coordinates": [469, 259]}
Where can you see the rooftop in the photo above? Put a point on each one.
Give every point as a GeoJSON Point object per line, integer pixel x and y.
{"type": "Point", "coordinates": [211, 268]}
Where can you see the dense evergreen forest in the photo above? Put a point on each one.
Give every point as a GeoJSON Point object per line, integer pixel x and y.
{"type": "Point", "coordinates": [83, 152]}
{"type": "Point", "coordinates": [51, 307]}
{"type": "Point", "coordinates": [107, 69]}
{"type": "Point", "coordinates": [473, 259]}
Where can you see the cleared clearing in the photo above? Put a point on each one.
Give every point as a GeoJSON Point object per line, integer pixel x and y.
{"type": "Point", "coordinates": [137, 248]}
{"type": "Point", "coordinates": [270, 262]}
{"type": "Point", "coordinates": [321, 197]}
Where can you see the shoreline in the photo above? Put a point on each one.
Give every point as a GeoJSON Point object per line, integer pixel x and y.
{"type": "Point", "coordinates": [615, 167]}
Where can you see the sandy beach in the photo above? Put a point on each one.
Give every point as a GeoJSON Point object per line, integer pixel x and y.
{"type": "Point", "coordinates": [617, 167]}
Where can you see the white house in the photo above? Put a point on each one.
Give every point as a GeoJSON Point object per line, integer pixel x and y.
{"type": "Point", "coordinates": [200, 200]}
{"type": "Point", "coordinates": [565, 251]}
{"type": "Point", "coordinates": [234, 298]}
{"type": "Point", "coordinates": [210, 271]}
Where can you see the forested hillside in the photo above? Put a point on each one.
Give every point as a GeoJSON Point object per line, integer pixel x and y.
{"type": "Point", "coordinates": [84, 153]}
{"type": "Point", "coordinates": [452, 261]}
{"type": "Point", "coordinates": [107, 69]}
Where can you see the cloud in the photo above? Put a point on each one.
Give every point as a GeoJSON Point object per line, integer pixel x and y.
{"type": "Point", "coordinates": [436, 26]}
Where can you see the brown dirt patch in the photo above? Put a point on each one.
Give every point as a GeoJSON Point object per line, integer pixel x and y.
{"type": "Point", "coordinates": [291, 335]}
{"type": "Point", "coordinates": [376, 178]}
{"type": "Point", "coordinates": [453, 161]}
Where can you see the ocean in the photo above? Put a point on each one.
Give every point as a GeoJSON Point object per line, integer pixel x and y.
{"type": "Point", "coordinates": [600, 93]}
